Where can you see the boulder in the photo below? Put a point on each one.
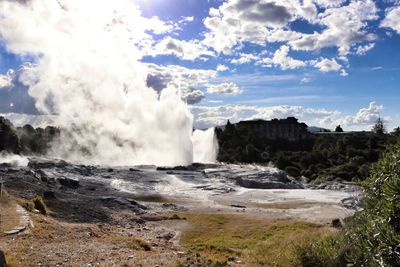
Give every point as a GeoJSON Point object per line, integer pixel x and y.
{"type": "Point", "coordinates": [267, 184]}
{"type": "Point", "coordinates": [68, 182]}
{"type": "Point", "coordinates": [36, 163]}
{"type": "Point", "coordinates": [3, 262]}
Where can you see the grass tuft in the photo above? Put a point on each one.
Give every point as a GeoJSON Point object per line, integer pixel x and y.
{"type": "Point", "coordinates": [40, 205]}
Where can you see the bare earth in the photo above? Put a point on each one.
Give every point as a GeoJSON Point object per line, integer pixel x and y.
{"type": "Point", "coordinates": [97, 224]}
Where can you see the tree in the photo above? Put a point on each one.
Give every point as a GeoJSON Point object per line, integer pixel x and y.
{"type": "Point", "coordinates": [396, 131]}
{"type": "Point", "coordinates": [339, 129]}
{"type": "Point", "coordinates": [379, 127]}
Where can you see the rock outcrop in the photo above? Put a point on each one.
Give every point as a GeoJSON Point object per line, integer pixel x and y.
{"type": "Point", "coordinates": [26, 140]}
{"type": "Point", "coordinates": [9, 140]}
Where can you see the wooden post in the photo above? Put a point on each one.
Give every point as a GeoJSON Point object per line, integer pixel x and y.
{"type": "Point", "coordinates": [1, 189]}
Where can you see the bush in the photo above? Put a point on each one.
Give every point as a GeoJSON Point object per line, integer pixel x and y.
{"type": "Point", "coordinates": [40, 205]}
{"type": "Point", "coordinates": [292, 171]}
{"type": "Point", "coordinates": [321, 253]}
{"type": "Point", "coordinates": [373, 236]}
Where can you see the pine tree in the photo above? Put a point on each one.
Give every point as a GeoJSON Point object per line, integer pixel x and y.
{"type": "Point", "coordinates": [379, 127]}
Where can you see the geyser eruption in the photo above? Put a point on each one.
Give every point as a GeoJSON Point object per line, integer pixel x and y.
{"type": "Point", "coordinates": [86, 70]}
{"type": "Point", "coordinates": [205, 146]}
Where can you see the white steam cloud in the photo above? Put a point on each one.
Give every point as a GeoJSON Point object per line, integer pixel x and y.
{"type": "Point", "coordinates": [205, 146]}
{"type": "Point", "coordinates": [13, 160]}
{"type": "Point", "coordinates": [87, 71]}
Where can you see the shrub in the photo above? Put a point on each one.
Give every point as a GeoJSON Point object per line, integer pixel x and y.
{"type": "Point", "coordinates": [321, 253]}
{"type": "Point", "coordinates": [139, 244]}
{"type": "Point", "coordinates": [40, 205]}
{"type": "Point", "coordinates": [292, 171]}
{"type": "Point", "coordinates": [373, 236]}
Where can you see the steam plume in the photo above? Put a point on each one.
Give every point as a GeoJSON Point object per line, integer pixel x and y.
{"type": "Point", "coordinates": [205, 146]}
{"type": "Point", "coordinates": [87, 71]}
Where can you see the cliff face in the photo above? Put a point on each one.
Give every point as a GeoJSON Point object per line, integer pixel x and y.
{"type": "Point", "coordinates": [26, 140]}
{"type": "Point", "coordinates": [288, 129]}
{"type": "Point", "coordinates": [9, 140]}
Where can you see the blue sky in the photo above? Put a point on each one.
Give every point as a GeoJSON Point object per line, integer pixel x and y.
{"type": "Point", "coordinates": [327, 62]}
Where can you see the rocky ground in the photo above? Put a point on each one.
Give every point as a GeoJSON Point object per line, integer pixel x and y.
{"type": "Point", "coordinates": [134, 216]}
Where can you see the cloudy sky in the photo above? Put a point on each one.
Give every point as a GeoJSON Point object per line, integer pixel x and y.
{"type": "Point", "coordinates": [327, 62]}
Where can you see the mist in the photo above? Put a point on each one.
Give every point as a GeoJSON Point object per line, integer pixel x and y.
{"type": "Point", "coordinates": [86, 70]}
{"type": "Point", "coordinates": [205, 146]}
{"type": "Point", "coordinates": [13, 160]}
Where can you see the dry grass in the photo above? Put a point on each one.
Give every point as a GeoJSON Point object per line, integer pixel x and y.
{"type": "Point", "coordinates": [285, 206]}
{"type": "Point", "coordinates": [220, 238]}
{"type": "Point", "coordinates": [8, 215]}
{"type": "Point", "coordinates": [130, 242]}
{"type": "Point", "coordinates": [52, 243]}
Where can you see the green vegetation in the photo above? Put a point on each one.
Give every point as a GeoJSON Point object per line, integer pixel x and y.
{"type": "Point", "coordinates": [255, 242]}
{"type": "Point", "coordinates": [373, 236]}
{"type": "Point", "coordinates": [40, 205]}
{"type": "Point", "coordinates": [321, 157]}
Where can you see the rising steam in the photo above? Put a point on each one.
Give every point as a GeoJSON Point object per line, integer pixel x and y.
{"type": "Point", "coordinates": [86, 70]}
{"type": "Point", "coordinates": [205, 146]}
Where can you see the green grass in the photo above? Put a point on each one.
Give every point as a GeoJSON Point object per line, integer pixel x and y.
{"type": "Point", "coordinates": [255, 242]}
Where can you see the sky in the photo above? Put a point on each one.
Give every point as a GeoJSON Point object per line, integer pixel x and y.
{"type": "Point", "coordinates": [326, 62]}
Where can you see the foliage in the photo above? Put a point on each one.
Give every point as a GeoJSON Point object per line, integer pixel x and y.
{"type": "Point", "coordinates": [339, 129]}
{"type": "Point", "coordinates": [40, 205]}
{"type": "Point", "coordinates": [379, 127]}
{"type": "Point", "coordinates": [321, 157]}
{"type": "Point", "coordinates": [373, 237]}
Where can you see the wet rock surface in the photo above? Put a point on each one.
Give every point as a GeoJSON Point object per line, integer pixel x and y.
{"type": "Point", "coordinates": [70, 189]}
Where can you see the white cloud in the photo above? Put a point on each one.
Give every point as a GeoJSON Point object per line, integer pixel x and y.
{"type": "Point", "coordinates": [327, 65]}
{"type": "Point", "coordinates": [192, 96]}
{"type": "Point", "coordinates": [186, 50]}
{"type": "Point", "coordinates": [5, 80]}
{"type": "Point", "coordinates": [221, 68]}
{"type": "Point", "coordinates": [329, 3]}
{"type": "Point", "coordinates": [238, 21]}
{"type": "Point", "coordinates": [305, 80]}
{"type": "Point", "coordinates": [343, 24]}
{"type": "Point", "coordinates": [392, 19]}
{"type": "Point", "coordinates": [187, 81]}
{"type": "Point", "coordinates": [224, 88]}
{"type": "Point", "coordinates": [282, 59]}
{"type": "Point", "coordinates": [363, 49]}
{"type": "Point", "coordinates": [205, 117]}
{"type": "Point", "coordinates": [244, 58]}
{"type": "Point", "coordinates": [14, 95]}
{"type": "Point", "coordinates": [363, 120]}
{"type": "Point", "coordinates": [364, 117]}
